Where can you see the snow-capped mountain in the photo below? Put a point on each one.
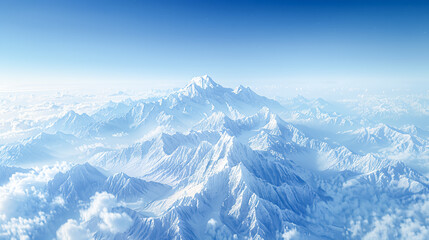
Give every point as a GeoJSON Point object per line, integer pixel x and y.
{"type": "Point", "coordinates": [318, 112]}
{"type": "Point", "coordinates": [385, 138]}
{"type": "Point", "coordinates": [73, 123]}
{"type": "Point", "coordinates": [42, 148]}
{"type": "Point", "coordinates": [209, 162]}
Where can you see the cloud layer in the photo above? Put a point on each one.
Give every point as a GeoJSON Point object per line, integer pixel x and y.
{"type": "Point", "coordinates": [99, 211]}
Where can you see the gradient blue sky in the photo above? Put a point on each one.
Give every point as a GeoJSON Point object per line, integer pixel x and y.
{"type": "Point", "coordinates": [264, 44]}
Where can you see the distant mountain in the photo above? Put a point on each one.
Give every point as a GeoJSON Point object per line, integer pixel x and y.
{"type": "Point", "coordinates": [318, 112]}
{"type": "Point", "coordinates": [383, 137]}
{"type": "Point", "coordinates": [42, 148]}
{"type": "Point", "coordinates": [73, 123]}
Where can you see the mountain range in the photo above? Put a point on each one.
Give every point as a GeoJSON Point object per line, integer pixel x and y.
{"type": "Point", "coordinates": [210, 162]}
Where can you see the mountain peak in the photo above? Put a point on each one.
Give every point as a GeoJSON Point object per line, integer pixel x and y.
{"type": "Point", "coordinates": [241, 88]}
{"type": "Point", "coordinates": [204, 82]}
{"type": "Point", "coordinates": [71, 115]}
{"type": "Point", "coordinates": [200, 86]}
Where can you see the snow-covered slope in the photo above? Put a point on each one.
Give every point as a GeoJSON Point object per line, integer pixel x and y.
{"type": "Point", "coordinates": [132, 189]}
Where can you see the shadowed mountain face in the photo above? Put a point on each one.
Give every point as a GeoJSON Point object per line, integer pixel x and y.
{"type": "Point", "coordinates": [208, 162]}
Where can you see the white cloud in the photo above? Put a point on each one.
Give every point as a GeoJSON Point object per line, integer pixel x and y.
{"type": "Point", "coordinates": [26, 188]}
{"type": "Point", "coordinates": [25, 206]}
{"type": "Point", "coordinates": [21, 227]}
{"type": "Point", "coordinates": [290, 234]}
{"type": "Point", "coordinates": [411, 229]}
{"type": "Point", "coordinates": [99, 210]}
{"type": "Point", "coordinates": [214, 230]}
{"type": "Point", "coordinates": [382, 229]}
{"type": "Point", "coordinates": [58, 201]}
{"type": "Point", "coordinates": [86, 148]}
{"type": "Point", "coordinates": [23, 201]}
{"type": "Point", "coordinates": [211, 227]}
{"type": "Point", "coordinates": [115, 222]}
{"type": "Point", "coordinates": [371, 211]}
{"type": "Point", "coordinates": [99, 202]}
{"type": "Point", "coordinates": [71, 230]}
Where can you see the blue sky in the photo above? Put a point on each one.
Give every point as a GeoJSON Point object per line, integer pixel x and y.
{"type": "Point", "coordinates": [263, 44]}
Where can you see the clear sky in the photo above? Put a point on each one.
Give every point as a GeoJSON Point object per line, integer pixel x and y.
{"type": "Point", "coordinates": [263, 44]}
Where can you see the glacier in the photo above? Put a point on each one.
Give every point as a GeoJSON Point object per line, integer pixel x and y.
{"type": "Point", "coordinates": [211, 162]}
